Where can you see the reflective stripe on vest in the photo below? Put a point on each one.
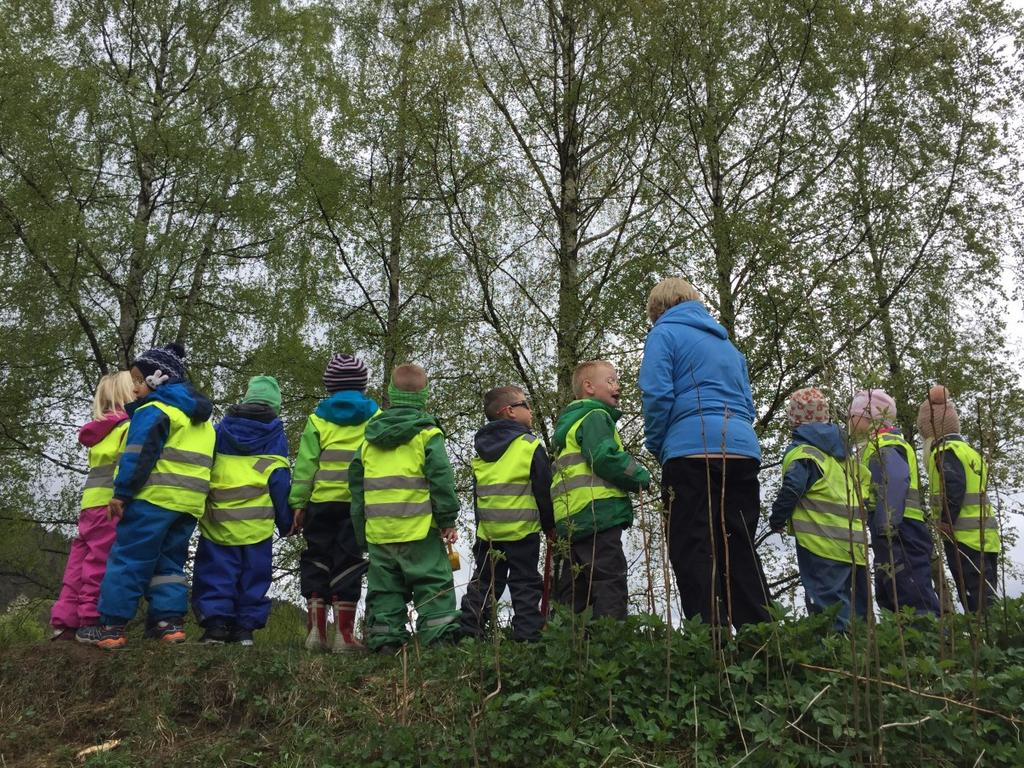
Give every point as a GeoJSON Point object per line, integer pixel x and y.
{"type": "Point", "coordinates": [976, 525]}
{"type": "Point", "coordinates": [505, 506]}
{"type": "Point", "coordinates": [396, 494]}
{"type": "Point", "coordinates": [913, 506]}
{"type": "Point", "coordinates": [338, 446]}
{"type": "Point", "coordinates": [180, 479]}
{"type": "Point", "coordinates": [103, 457]}
{"type": "Point", "coordinates": [239, 509]}
{"type": "Point", "coordinates": [575, 487]}
{"type": "Point", "coordinates": [826, 520]}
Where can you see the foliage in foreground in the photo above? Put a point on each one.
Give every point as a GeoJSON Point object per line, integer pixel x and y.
{"type": "Point", "coordinates": [616, 695]}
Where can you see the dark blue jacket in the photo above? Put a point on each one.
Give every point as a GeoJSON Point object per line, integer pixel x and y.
{"type": "Point", "coordinates": [803, 473]}
{"type": "Point", "coordinates": [491, 442]}
{"type": "Point", "coordinates": [696, 389]}
{"type": "Point", "coordinates": [253, 429]}
{"type": "Point", "coordinates": [890, 477]}
{"type": "Point", "coordinates": [149, 429]}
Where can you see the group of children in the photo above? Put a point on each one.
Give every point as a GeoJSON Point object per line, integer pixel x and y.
{"type": "Point", "coordinates": [365, 480]}
{"type": "Point", "coordinates": [835, 494]}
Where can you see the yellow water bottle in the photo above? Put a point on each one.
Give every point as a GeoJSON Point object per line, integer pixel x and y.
{"type": "Point", "coordinates": [453, 558]}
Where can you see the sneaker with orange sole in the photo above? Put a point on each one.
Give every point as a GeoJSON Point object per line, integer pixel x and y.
{"type": "Point", "coordinates": [109, 637]}
{"type": "Point", "coordinates": [167, 631]}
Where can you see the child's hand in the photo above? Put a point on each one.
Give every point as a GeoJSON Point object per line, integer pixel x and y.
{"type": "Point", "coordinates": [115, 509]}
{"type": "Point", "coordinates": [299, 517]}
{"type": "Point", "coordinates": [449, 535]}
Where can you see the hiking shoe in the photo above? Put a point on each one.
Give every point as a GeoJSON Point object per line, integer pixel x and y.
{"type": "Point", "coordinates": [62, 634]}
{"type": "Point", "coordinates": [243, 637]}
{"type": "Point", "coordinates": [167, 631]}
{"type": "Point", "coordinates": [217, 633]}
{"type": "Point", "coordinates": [388, 649]}
{"type": "Point", "coordinates": [109, 637]}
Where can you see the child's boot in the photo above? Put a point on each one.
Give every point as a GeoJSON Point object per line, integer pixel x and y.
{"type": "Point", "coordinates": [345, 628]}
{"type": "Point", "coordinates": [316, 623]}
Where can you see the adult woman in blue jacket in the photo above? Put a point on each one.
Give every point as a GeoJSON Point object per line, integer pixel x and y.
{"type": "Point", "coordinates": [698, 422]}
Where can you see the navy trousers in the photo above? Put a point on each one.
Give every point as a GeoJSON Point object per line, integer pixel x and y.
{"type": "Point", "coordinates": [829, 582]}
{"type": "Point", "coordinates": [903, 569]}
{"type": "Point", "coordinates": [230, 583]}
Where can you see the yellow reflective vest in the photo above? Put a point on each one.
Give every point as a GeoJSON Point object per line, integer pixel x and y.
{"type": "Point", "coordinates": [826, 520]}
{"type": "Point", "coordinates": [574, 485]}
{"type": "Point", "coordinates": [976, 525]}
{"type": "Point", "coordinates": [103, 457]}
{"type": "Point", "coordinates": [239, 509]}
{"type": "Point", "coordinates": [180, 479]}
{"type": "Point", "coordinates": [338, 446]}
{"type": "Point", "coordinates": [913, 508]}
{"type": "Point", "coordinates": [396, 493]}
{"type": "Point", "coordinates": [505, 506]}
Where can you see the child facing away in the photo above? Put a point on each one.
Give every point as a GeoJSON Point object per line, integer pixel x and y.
{"type": "Point", "coordinates": [958, 487]}
{"type": "Point", "coordinates": [87, 561]}
{"type": "Point", "coordinates": [590, 493]}
{"type": "Point", "coordinates": [900, 539]}
{"type": "Point", "coordinates": [331, 567]}
{"type": "Point", "coordinates": [160, 491]}
{"type": "Point", "coordinates": [819, 501]}
{"type": "Point", "coordinates": [512, 504]}
{"type": "Point", "coordinates": [249, 487]}
{"type": "Point", "coordinates": [404, 510]}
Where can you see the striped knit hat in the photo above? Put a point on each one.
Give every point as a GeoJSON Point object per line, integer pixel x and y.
{"type": "Point", "coordinates": [346, 372]}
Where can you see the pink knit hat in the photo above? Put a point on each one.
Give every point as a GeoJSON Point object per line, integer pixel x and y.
{"type": "Point", "coordinates": [807, 406]}
{"type": "Point", "coordinates": [937, 417]}
{"type": "Point", "coordinates": [876, 404]}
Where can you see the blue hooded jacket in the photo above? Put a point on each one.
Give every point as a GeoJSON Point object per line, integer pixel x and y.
{"type": "Point", "coordinates": [803, 473]}
{"type": "Point", "coordinates": [149, 429]}
{"type": "Point", "coordinates": [695, 387]}
{"type": "Point", "coordinates": [253, 429]}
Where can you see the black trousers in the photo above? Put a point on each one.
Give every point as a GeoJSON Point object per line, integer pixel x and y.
{"type": "Point", "coordinates": [713, 506]}
{"type": "Point", "coordinates": [974, 573]}
{"type": "Point", "coordinates": [331, 566]}
{"type": "Point", "coordinates": [594, 574]}
{"type": "Point", "coordinates": [498, 564]}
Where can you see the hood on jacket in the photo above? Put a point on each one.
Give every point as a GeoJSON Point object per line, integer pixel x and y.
{"type": "Point", "coordinates": [493, 438]}
{"type": "Point", "coordinates": [182, 396]}
{"type": "Point", "coordinates": [94, 431]}
{"type": "Point", "coordinates": [243, 435]}
{"type": "Point", "coordinates": [826, 437]}
{"type": "Point", "coordinates": [346, 407]}
{"type": "Point", "coordinates": [397, 426]}
{"type": "Point", "coordinates": [695, 315]}
{"type": "Point", "coordinates": [575, 411]}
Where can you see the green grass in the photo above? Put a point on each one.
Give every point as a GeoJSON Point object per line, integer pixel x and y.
{"type": "Point", "coordinates": [616, 695]}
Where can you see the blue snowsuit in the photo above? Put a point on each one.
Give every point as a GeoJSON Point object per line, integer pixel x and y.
{"type": "Point", "coordinates": [148, 557]}
{"type": "Point", "coordinates": [230, 582]}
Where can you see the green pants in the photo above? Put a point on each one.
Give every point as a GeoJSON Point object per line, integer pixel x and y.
{"type": "Point", "coordinates": [413, 570]}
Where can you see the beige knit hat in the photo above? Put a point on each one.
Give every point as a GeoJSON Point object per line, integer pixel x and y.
{"type": "Point", "coordinates": [937, 416]}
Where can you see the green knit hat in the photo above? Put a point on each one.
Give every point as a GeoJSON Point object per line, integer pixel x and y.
{"type": "Point", "coordinates": [265, 390]}
{"type": "Point", "coordinates": [398, 396]}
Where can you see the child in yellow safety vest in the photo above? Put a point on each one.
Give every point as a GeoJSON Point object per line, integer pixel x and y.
{"type": "Point", "coordinates": [87, 562]}
{"type": "Point", "coordinates": [512, 504]}
{"type": "Point", "coordinates": [331, 567]}
{"type": "Point", "coordinates": [248, 494]}
{"type": "Point", "coordinates": [958, 487]}
{"type": "Point", "coordinates": [819, 504]}
{"type": "Point", "coordinates": [404, 510]}
{"type": "Point", "coordinates": [160, 490]}
{"type": "Point", "coordinates": [593, 476]}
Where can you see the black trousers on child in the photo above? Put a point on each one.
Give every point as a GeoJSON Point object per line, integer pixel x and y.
{"type": "Point", "coordinates": [714, 505]}
{"type": "Point", "coordinates": [594, 574]}
{"type": "Point", "coordinates": [495, 565]}
{"type": "Point", "coordinates": [331, 565]}
{"type": "Point", "coordinates": [974, 573]}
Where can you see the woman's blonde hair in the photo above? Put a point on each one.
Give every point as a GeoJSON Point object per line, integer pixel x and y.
{"type": "Point", "coordinates": [668, 293]}
{"type": "Point", "coordinates": [113, 391]}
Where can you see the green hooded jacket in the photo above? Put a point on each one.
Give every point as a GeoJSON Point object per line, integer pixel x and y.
{"type": "Point", "coordinates": [397, 426]}
{"type": "Point", "coordinates": [596, 436]}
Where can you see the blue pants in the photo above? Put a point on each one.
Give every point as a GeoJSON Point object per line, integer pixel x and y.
{"type": "Point", "coordinates": [903, 569]}
{"type": "Point", "coordinates": [147, 560]}
{"type": "Point", "coordinates": [976, 574]}
{"type": "Point", "coordinates": [828, 582]}
{"type": "Point", "coordinates": [230, 583]}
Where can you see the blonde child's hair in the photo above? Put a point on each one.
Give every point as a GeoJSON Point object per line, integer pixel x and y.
{"type": "Point", "coordinates": [668, 293]}
{"type": "Point", "coordinates": [113, 391]}
{"type": "Point", "coordinates": [584, 371]}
